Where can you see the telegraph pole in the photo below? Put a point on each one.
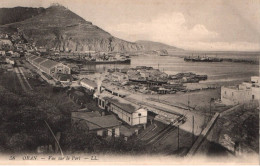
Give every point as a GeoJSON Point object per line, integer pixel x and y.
{"type": "Point", "coordinates": [192, 129]}
{"type": "Point", "coordinates": [211, 100]}
{"type": "Point", "coordinates": [205, 117]}
{"type": "Point", "coordinates": [209, 109]}
{"type": "Point", "coordinates": [188, 102]}
{"type": "Point", "coordinates": [178, 138]}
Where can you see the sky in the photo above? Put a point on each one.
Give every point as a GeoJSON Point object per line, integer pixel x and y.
{"type": "Point", "coordinates": [188, 24]}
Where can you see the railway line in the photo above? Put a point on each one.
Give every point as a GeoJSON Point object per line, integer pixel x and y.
{"type": "Point", "coordinates": [21, 69]}
{"type": "Point", "coordinates": [22, 79]}
{"type": "Point", "coordinates": [164, 136]}
{"type": "Point", "coordinates": [161, 134]}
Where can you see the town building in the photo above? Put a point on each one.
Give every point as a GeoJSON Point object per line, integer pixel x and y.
{"type": "Point", "coordinates": [63, 77]}
{"type": "Point", "coordinates": [90, 52]}
{"type": "Point", "coordinates": [114, 90]}
{"type": "Point", "coordinates": [42, 49]}
{"type": "Point", "coordinates": [88, 84]}
{"type": "Point", "coordinates": [242, 93]}
{"type": "Point", "coordinates": [129, 112]}
{"type": "Point", "coordinates": [20, 46]}
{"type": "Point", "coordinates": [10, 61]}
{"type": "Point", "coordinates": [51, 67]}
{"type": "Point", "coordinates": [123, 70]}
{"type": "Point", "coordinates": [2, 52]}
{"type": "Point", "coordinates": [255, 87]}
{"type": "Point", "coordinates": [48, 66]}
{"type": "Point", "coordinates": [144, 74]}
{"type": "Point", "coordinates": [9, 53]}
{"type": "Point", "coordinates": [15, 55]}
{"type": "Point", "coordinates": [93, 122]}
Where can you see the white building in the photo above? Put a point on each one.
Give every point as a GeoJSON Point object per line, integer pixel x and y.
{"type": "Point", "coordinates": [130, 113]}
{"type": "Point", "coordinates": [10, 61]}
{"type": "Point", "coordinates": [2, 52]}
{"type": "Point", "coordinates": [242, 93]}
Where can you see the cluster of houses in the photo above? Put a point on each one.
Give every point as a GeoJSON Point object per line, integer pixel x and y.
{"type": "Point", "coordinates": [11, 54]}
{"type": "Point", "coordinates": [121, 113]}
{"type": "Point", "coordinates": [140, 79]}
{"type": "Point", "coordinates": [10, 57]}
{"type": "Point", "coordinates": [123, 116]}
{"type": "Point", "coordinates": [4, 36]}
{"type": "Point", "coordinates": [149, 80]}
{"type": "Point", "coordinates": [143, 73]}
{"type": "Point", "coordinates": [242, 93]}
{"type": "Point", "coordinates": [18, 44]}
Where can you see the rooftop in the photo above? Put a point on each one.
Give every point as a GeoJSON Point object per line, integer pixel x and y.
{"type": "Point", "coordinates": [235, 88]}
{"type": "Point", "coordinates": [95, 121]}
{"type": "Point", "coordinates": [118, 73]}
{"type": "Point", "coordinates": [39, 60]}
{"type": "Point", "coordinates": [49, 63]}
{"type": "Point", "coordinates": [115, 89]}
{"type": "Point", "coordinates": [33, 57]}
{"type": "Point", "coordinates": [120, 102]}
{"type": "Point", "coordinates": [89, 82]}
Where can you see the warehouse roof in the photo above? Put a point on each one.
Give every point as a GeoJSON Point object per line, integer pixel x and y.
{"type": "Point", "coordinates": [49, 63]}
{"type": "Point", "coordinates": [29, 55]}
{"type": "Point", "coordinates": [39, 60]}
{"type": "Point", "coordinates": [33, 57]}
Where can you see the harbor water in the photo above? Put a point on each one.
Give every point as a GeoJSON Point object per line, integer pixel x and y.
{"type": "Point", "coordinates": [216, 71]}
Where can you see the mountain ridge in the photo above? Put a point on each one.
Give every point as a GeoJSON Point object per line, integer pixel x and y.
{"type": "Point", "coordinates": [59, 28]}
{"type": "Point", "coordinates": [16, 14]}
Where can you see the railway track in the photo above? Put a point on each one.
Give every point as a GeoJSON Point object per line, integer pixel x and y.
{"type": "Point", "coordinates": [144, 134]}
{"type": "Point", "coordinates": [22, 79]}
{"type": "Point", "coordinates": [164, 136]}
{"type": "Point", "coordinates": [160, 135]}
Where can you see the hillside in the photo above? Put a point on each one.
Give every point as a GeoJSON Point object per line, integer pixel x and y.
{"type": "Point", "coordinates": [150, 45]}
{"type": "Point", "coordinates": [59, 28]}
{"type": "Point", "coordinates": [11, 15]}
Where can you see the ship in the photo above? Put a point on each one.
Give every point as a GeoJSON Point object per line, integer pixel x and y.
{"type": "Point", "coordinates": [202, 59]}
{"type": "Point", "coordinates": [116, 61]}
{"type": "Point", "coordinates": [164, 55]}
